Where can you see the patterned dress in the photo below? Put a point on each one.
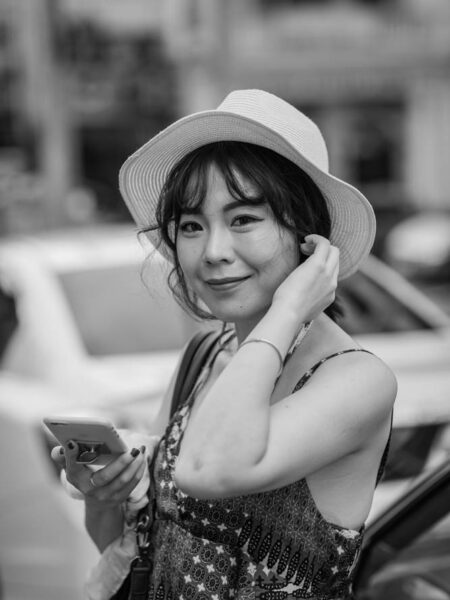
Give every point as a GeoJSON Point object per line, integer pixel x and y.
{"type": "Point", "coordinates": [266, 546]}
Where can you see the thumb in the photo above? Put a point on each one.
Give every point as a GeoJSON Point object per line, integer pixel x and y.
{"type": "Point", "coordinates": [58, 456]}
{"type": "Point", "coordinates": [71, 451]}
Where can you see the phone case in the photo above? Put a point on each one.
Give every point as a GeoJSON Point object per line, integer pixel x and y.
{"type": "Point", "coordinates": [97, 439]}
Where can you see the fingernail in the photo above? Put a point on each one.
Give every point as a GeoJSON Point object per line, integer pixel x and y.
{"type": "Point", "coordinates": [143, 449]}
{"type": "Point", "coordinates": [134, 452]}
{"type": "Point", "coordinates": [61, 450]}
{"type": "Point", "coordinates": [70, 445]}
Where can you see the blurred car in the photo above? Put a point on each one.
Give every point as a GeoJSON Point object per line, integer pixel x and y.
{"type": "Point", "coordinates": [87, 324]}
{"type": "Point", "coordinates": [406, 550]}
{"type": "Point", "coordinates": [92, 340]}
{"type": "Point", "coordinates": [419, 246]}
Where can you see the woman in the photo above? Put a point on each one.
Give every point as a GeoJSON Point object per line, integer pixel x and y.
{"type": "Point", "coordinates": [265, 476]}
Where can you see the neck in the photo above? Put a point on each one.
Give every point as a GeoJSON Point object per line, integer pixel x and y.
{"type": "Point", "coordinates": [243, 328]}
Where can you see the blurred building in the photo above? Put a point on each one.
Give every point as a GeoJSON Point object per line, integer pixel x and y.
{"type": "Point", "coordinates": [375, 75]}
{"type": "Point", "coordinates": [87, 83]}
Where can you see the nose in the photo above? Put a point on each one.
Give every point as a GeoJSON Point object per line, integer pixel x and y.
{"type": "Point", "coordinates": [219, 246]}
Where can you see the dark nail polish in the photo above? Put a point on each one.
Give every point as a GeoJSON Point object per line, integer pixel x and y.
{"type": "Point", "coordinates": [142, 449]}
{"type": "Point", "coordinates": [70, 445]}
{"type": "Point", "coordinates": [61, 450]}
{"type": "Point", "coordinates": [134, 452]}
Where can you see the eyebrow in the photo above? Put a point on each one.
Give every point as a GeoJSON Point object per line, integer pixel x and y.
{"type": "Point", "coordinates": [229, 206]}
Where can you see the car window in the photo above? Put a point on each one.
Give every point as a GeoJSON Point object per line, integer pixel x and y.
{"type": "Point", "coordinates": [116, 314]}
{"type": "Point", "coordinates": [370, 308]}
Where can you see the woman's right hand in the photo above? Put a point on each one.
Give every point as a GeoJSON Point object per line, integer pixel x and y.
{"type": "Point", "coordinates": [111, 485]}
{"type": "Point", "coordinates": [310, 288]}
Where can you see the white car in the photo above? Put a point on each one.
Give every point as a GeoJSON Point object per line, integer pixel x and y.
{"type": "Point", "coordinates": [87, 324]}
{"type": "Point", "coordinates": [92, 340]}
{"type": "Point", "coordinates": [430, 258]}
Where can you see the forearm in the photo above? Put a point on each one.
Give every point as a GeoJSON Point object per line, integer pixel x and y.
{"type": "Point", "coordinates": [103, 525]}
{"type": "Point", "coordinates": [233, 421]}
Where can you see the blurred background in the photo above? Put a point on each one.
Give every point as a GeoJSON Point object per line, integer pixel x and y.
{"type": "Point", "coordinates": [83, 83]}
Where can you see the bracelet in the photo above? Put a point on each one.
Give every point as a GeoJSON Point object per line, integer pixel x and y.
{"type": "Point", "coordinates": [271, 344]}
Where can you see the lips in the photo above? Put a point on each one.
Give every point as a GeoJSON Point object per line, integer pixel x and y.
{"type": "Point", "coordinates": [225, 282]}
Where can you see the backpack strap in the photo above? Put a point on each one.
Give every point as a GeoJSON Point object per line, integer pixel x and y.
{"type": "Point", "coordinates": [194, 358]}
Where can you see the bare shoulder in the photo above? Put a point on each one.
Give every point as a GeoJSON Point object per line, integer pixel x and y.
{"type": "Point", "coordinates": [345, 366]}
{"type": "Point", "coordinates": [376, 376]}
{"type": "Point", "coordinates": [352, 394]}
{"type": "Point", "coordinates": [365, 384]}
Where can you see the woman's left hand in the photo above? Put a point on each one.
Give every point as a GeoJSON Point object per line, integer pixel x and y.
{"type": "Point", "coordinates": [311, 287]}
{"type": "Point", "coordinates": [116, 482]}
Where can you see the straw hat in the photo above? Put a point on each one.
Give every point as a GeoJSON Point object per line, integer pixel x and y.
{"type": "Point", "coordinates": [260, 118]}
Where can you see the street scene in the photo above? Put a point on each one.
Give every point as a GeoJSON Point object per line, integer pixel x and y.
{"type": "Point", "coordinates": [88, 324]}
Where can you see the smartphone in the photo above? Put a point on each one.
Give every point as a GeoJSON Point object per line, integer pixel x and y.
{"type": "Point", "coordinates": [97, 439]}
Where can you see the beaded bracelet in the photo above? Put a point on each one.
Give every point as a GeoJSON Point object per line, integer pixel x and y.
{"type": "Point", "coordinates": [269, 343]}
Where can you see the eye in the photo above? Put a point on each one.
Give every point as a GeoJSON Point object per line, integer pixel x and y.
{"type": "Point", "coordinates": [189, 227]}
{"type": "Point", "coordinates": [243, 220]}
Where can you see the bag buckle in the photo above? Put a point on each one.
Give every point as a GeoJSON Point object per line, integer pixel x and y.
{"type": "Point", "coordinates": [142, 530]}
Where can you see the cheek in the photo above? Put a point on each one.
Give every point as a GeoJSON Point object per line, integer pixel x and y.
{"type": "Point", "coordinates": [188, 260]}
{"type": "Point", "coordinates": [279, 254]}
{"type": "Point", "coordinates": [261, 248]}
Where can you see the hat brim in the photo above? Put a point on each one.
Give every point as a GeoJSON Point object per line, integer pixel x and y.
{"type": "Point", "coordinates": [144, 173]}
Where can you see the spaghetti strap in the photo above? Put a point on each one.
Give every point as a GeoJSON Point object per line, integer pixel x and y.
{"type": "Point", "coordinates": [314, 368]}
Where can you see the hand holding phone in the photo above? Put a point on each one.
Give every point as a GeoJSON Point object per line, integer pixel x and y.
{"type": "Point", "coordinates": [99, 468]}
{"type": "Point", "coordinates": [97, 439]}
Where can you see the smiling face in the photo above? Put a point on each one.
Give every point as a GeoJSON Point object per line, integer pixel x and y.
{"type": "Point", "coordinates": [233, 252]}
{"type": "Point", "coordinates": [283, 201]}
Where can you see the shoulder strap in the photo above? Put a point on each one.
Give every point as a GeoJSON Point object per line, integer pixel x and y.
{"type": "Point", "coordinates": [135, 585]}
{"type": "Point", "coordinates": [192, 362]}
{"type": "Point", "coordinates": [314, 368]}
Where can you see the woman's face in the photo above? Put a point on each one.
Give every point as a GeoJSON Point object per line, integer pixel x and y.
{"type": "Point", "coordinates": [234, 255]}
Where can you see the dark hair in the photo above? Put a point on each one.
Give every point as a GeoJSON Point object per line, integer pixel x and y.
{"type": "Point", "coordinates": [295, 200]}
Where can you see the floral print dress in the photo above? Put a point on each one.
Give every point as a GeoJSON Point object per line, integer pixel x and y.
{"type": "Point", "coordinates": [266, 546]}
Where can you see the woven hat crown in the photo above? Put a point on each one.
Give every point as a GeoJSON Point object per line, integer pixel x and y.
{"type": "Point", "coordinates": [281, 117]}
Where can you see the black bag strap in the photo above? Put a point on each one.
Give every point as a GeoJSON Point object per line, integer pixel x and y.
{"type": "Point", "coordinates": [135, 586]}
{"type": "Point", "coordinates": [194, 358]}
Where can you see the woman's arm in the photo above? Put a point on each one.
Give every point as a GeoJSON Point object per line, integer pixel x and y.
{"type": "Point", "coordinates": [341, 410]}
{"type": "Point", "coordinates": [103, 525]}
{"type": "Point", "coordinates": [255, 446]}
